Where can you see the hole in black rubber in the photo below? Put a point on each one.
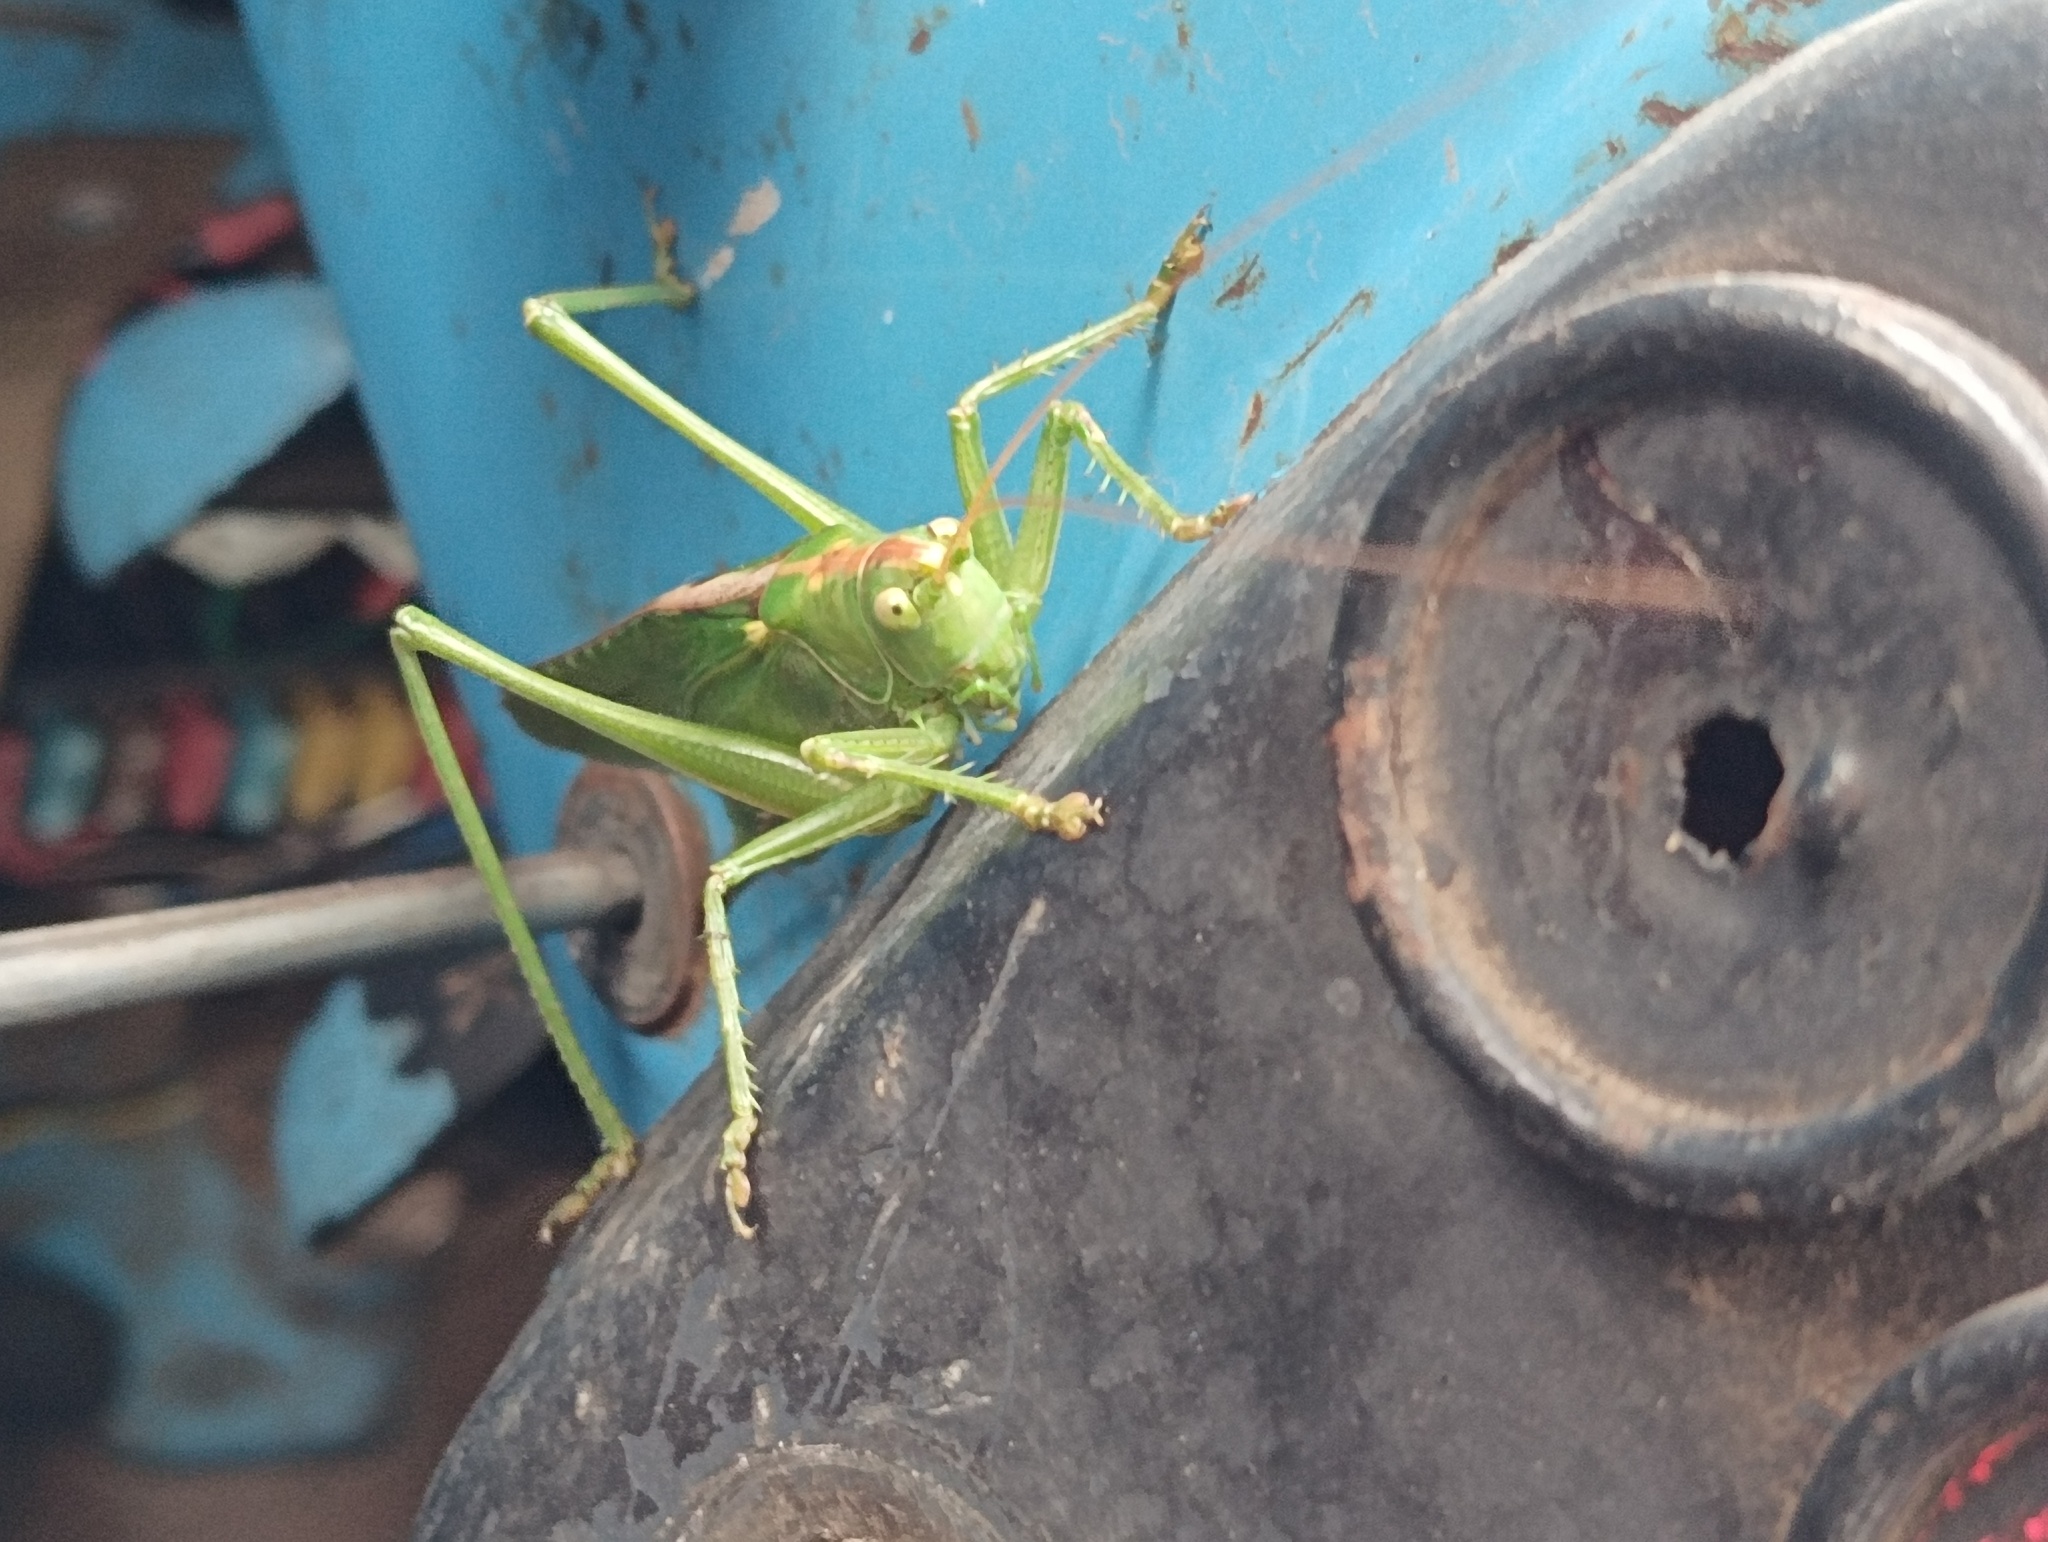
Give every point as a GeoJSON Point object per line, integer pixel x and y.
{"type": "Point", "coordinates": [1732, 771]}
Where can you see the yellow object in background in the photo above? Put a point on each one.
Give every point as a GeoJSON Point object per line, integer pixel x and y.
{"type": "Point", "coordinates": [324, 771]}
{"type": "Point", "coordinates": [387, 744]}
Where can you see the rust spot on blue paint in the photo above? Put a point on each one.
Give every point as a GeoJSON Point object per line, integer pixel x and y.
{"type": "Point", "coordinates": [1512, 248]}
{"type": "Point", "coordinates": [1735, 44]}
{"type": "Point", "coordinates": [1664, 114]}
{"type": "Point", "coordinates": [922, 28]}
{"type": "Point", "coordinates": [1243, 283]}
{"type": "Point", "coordinates": [1254, 419]}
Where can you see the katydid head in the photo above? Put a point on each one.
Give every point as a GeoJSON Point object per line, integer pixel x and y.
{"type": "Point", "coordinates": [946, 626]}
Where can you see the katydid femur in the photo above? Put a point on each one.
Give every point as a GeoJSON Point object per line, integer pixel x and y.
{"type": "Point", "coordinates": [824, 692]}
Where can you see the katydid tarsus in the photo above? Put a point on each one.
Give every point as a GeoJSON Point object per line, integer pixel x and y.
{"type": "Point", "coordinates": [823, 692]}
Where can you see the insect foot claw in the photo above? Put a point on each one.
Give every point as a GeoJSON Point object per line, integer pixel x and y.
{"type": "Point", "coordinates": [1182, 263]}
{"type": "Point", "coordinates": [615, 1166]}
{"type": "Point", "coordinates": [1068, 818]}
{"type": "Point", "coordinates": [732, 1161]}
{"type": "Point", "coordinates": [1201, 526]}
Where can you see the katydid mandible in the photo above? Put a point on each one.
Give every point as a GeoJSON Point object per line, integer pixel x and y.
{"type": "Point", "coordinates": [824, 692]}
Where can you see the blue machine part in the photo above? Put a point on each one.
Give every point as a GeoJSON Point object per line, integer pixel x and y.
{"type": "Point", "coordinates": [135, 67]}
{"type": "Point", "coordinates": [349, 1123]}
{"type": "Point", "coordinates": [880, 202]}
{"type": "Point", "coordinates": [236, 1343]}
{"type": "Point", "coordinates": [185, 399]}
{"type": "Point", "coordinates": [266, 743]}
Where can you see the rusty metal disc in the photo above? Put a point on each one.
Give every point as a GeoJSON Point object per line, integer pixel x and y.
{"type": "Point", "coordinates": [1724, 865]}
{"type": "Point", "coordinates": [652, 974]}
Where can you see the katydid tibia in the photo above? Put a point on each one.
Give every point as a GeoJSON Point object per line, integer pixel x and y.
{"type": "Point", "coordinates": [824, 692]}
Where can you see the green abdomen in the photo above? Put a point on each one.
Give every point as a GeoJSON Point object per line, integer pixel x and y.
{"type": "Point", "coordinates": [698, 666]}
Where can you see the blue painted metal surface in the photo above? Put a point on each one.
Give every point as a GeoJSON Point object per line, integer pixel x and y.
{"type": "Point", "coordinates": [956, 183]}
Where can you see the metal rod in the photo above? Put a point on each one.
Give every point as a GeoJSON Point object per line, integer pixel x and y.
{"type": "Point", "coordinates": [51, 972]}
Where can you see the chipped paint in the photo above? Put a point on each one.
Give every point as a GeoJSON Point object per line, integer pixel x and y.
{"type": "Point", "coordinates": [973, 124]}
{"type": "Point", "coordinates": [1243, 283]}
{"type": "Point", "coordinates": [758, 205]}
{"type": "Point", "coordinates": [716, 266]}
{"type": "Point", "coordinates": [1512, 248]}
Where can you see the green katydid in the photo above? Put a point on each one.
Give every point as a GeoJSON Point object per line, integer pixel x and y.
{"type": "Point", "coordinates": [824, 692]}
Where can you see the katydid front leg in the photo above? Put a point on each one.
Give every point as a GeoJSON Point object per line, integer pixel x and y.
{"type": "Point", "coordinates": [903, 755]}
{"type": "Point", "coordinates": [984, 525]}
{"type": "Point", "coordinates": [1038, 532]}
{"type": "Point", "coordinates": [900, 768]}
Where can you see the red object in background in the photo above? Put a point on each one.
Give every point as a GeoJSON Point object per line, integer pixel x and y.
{"type": "Point", "coordinates": [199, 752]}
{"type": "Point", "coordinates": [230, 237]}
{"type": "Point", "coordinates": [378, 595]}
{"type": "Point", "coordinates": [169, 289]}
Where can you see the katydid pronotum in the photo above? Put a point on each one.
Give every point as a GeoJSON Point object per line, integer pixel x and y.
{"type": "Point", "coordinates": [823, 692]}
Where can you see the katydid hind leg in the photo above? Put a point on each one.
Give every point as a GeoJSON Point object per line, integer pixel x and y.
{"type": "Point", "coordinates": [870, 808]}
{"type": "Point", "coordinates": [754, 771]}
{"type": "Point", "coordinates": [552, 319]}
{"type": "Point", "coordinates": [619, 1153]}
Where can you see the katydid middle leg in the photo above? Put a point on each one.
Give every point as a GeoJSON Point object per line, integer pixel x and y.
{"type": "Point", "coordinates": [871, 808]}
{"type": "Point", "coordinates": [915, 757]}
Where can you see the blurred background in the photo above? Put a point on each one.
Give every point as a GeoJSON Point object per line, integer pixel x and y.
{"type": "Point", "coordinates": [262, 379]}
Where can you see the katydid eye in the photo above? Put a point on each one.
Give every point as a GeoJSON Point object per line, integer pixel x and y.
{"type": "Point", "coordinates": [894, 610]}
